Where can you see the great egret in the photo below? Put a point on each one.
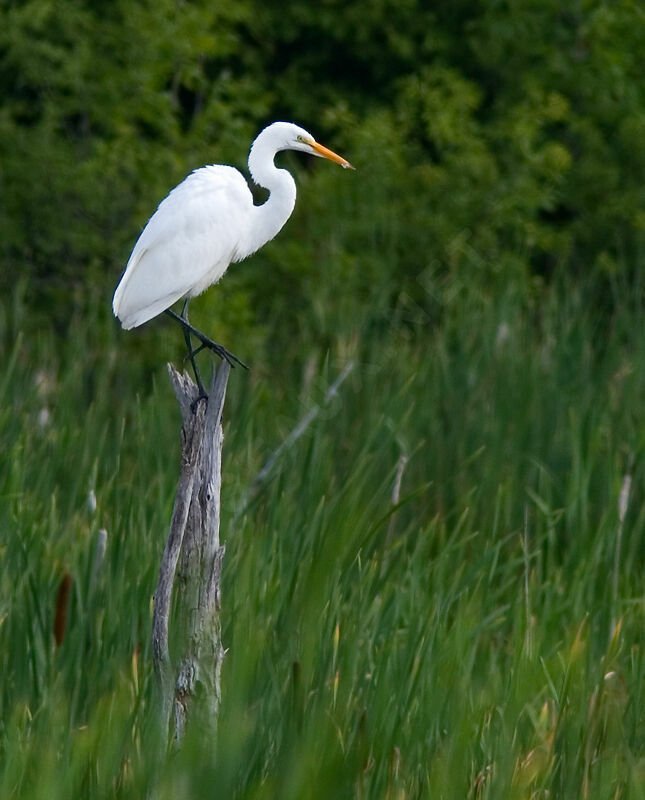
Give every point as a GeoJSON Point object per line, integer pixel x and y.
{"type": "Point", "coordinates": [205, 223]}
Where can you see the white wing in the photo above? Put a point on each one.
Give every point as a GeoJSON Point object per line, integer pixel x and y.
{"type": "Point", "coordinates": [187, 244]}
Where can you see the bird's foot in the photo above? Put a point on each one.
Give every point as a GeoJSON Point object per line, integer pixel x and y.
{"type": "Point", "coordinates": [200, 397]}
{"type": "Point", "coordinates": [219, 350]}
{"type": "Point", "coordinates": [206, 343]}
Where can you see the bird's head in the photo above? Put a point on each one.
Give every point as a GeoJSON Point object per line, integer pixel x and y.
{"type": "Point", "coordinates": [293, 137]}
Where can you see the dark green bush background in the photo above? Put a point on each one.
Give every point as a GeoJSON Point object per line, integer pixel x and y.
{"type": "Point", "coordinates": [495, 141]}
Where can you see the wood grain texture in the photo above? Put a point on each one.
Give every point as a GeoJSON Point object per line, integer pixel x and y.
{"type": "Point", "coordinates": [192, 561]}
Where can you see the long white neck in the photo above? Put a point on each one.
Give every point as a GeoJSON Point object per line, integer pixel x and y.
{"type": "Point", "coordinates": [269, 217]}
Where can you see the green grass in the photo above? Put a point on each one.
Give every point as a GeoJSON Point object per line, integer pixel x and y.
{"type": "Point", "coordinates": [465, 643]}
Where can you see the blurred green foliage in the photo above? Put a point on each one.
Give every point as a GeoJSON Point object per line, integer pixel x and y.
{"type": "Point", "coordinates": [502, 139]}
{"type": "Point", "coordinates": [461, 645]}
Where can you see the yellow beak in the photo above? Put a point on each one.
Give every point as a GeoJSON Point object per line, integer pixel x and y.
{"type": "Point", "coordinates": [326, 153]}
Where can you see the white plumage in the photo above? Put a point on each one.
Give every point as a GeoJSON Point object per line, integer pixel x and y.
{"type": "Point", "coordinates": [205, 223]}
{"type": "Point", "coordinates": [187, 244]}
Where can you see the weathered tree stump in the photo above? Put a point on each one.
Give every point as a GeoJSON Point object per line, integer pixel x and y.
{"type": "Point", "coordinates": [194, 536]}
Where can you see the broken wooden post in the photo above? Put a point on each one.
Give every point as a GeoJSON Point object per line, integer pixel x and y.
{"type": "Point", "coordinates": [194, 536]}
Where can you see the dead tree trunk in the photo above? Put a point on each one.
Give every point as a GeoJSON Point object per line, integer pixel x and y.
{"type": "Point", "coordinates": [193, 538]}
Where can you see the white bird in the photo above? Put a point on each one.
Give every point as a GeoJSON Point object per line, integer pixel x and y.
{"type": "Point", "coordinates": [207, 222]}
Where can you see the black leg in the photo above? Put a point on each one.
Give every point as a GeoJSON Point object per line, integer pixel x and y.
{"type": "Point", "coordinates": [191, 356]}
{"type": "Point", "coordinates": [192, 353]}
{"type": "Point", "coordinates": [209, 344]}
